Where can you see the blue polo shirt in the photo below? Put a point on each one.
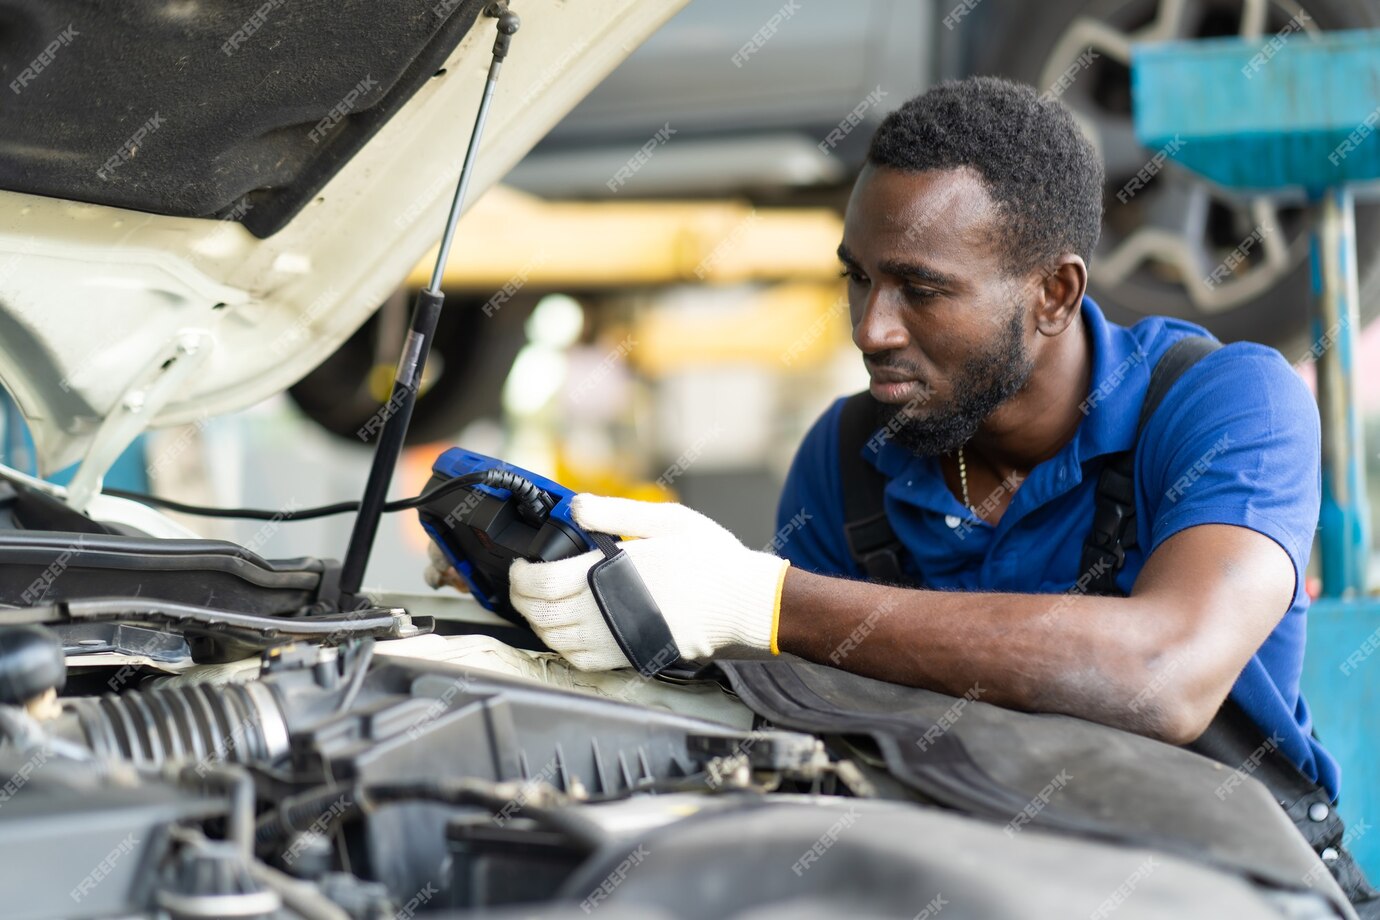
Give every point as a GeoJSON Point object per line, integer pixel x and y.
{"type": "Point", "coordinates": [1236, 441]}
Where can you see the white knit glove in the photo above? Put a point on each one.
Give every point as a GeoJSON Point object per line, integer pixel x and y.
{"type": "Point", "coordinates": [716, 595]}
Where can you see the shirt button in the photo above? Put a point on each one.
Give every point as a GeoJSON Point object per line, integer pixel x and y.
{"type": "Point", "coordinates": [1063, 474]}
{"type": "Point", "coordinates": [952, 520]}
{"type": "Point", "coordinates": [1329, 855]}
{"type": "Point", "coordinates": [1317, 812]}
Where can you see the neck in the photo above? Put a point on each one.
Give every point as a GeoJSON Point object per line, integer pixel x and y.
{"type": "Point", "coordinates": [1044, 415]}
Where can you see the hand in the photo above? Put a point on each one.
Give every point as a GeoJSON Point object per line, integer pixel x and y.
{"type": "Point", "coordinates": [717, 596]}
{"type": "Point", "coordinates": [439, 571]}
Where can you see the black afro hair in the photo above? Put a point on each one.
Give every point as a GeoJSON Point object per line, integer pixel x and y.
{"type": "Point", "coordinates": [1036, 164]}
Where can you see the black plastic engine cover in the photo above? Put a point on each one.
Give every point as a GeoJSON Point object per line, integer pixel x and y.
{"type": "Point", "coordinates": [43, 567]}
{"type": "Point", "coordinates": [433, 721]}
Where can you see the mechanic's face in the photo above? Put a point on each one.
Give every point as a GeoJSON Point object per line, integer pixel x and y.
{"type": "Point", "coordinates": [941, 325]}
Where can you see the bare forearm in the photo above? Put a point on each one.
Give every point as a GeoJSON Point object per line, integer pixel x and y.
{"type": "Point", "coordinates": [1092, 657]}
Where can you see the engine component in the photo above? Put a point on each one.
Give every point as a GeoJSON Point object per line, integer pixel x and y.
{"type": "Point", "coordinates": [212, 880]}
{"type": "Point", "coordinates": [358, 897]}
{"type": "Point", "coordinates": [94, 835]}
{"type": "Point", "coordinates": [217, 634]}
{"type": "Point", "coordinates": [390, 752]}
{"type": "Point", "coordinates": [507, 864]}
{"type": "Point", "coordinates": [236, 722]}
{"type": "Point", "coordinates": [31, 664]}
{"type": "Point", "coordinates": [178, 571]}
{"type": "Point", "coordinates": [162, 648]}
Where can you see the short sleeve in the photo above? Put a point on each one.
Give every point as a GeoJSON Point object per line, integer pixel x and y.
{"type": "Point", "coordinates": [809, 519]}
{"type": "Point", "coordinates": [1236, 442]}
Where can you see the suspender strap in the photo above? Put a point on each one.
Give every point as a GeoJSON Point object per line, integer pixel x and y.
{"type": "Point", "coordinates": [1114, 507]}
{"type": "Point", "coordinates": [871, 541]}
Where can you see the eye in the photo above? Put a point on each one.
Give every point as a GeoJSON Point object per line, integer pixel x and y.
{"type": "Point", "coordinates": [853, 275]}
{"type": "Point", "coordinates": [916, 293]}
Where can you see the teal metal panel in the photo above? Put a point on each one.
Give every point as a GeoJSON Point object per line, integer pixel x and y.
{"type": "Point", "coordinates": [1341, 681]}
{"type": "Point", "coordinates": [1294, 110]}
{"type": "Point", "coordinates": [1345, 517]}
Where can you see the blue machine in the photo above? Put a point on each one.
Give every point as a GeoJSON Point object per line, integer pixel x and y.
{"type": "Point", "coordinates": [1299, 113]}
{"type": "Point", "coordinates": [483, 527]}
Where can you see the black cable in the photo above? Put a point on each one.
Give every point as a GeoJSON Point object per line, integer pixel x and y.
{"type": "Point", "coordinates": [249, 513]}
{"type": "Point", "coordinates": [525, 491]}
{"type": "Point", "coordinates": [532, 497]}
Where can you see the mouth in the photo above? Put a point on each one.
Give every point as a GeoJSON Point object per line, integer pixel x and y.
{"type": "Point", "coordinates": [895, 390]}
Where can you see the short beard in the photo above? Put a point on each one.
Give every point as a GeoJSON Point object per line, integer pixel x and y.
{"type": "Point", "coordinates": [985, 382]}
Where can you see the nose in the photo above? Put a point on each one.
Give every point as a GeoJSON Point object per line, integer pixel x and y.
{"type": "Point", "coordinates": [879, 327]}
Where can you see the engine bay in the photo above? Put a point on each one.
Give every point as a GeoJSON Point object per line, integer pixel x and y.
{"type": "Point", "coordinates": [171, 754]}
{"type": "Point", "coordinates": [374, 781]}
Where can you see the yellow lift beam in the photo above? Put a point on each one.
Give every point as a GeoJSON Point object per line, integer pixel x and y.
{"type": "Point", "coordinates": [509, 237]}
{"type": "Point", "coordinates": [785, 328]}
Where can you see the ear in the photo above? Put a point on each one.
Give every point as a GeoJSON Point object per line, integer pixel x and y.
{"type": "Point", "coordinates": [1060, 293]}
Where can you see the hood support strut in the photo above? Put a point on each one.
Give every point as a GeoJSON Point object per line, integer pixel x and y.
{"type": "Point", "coordinates": [392, 418]}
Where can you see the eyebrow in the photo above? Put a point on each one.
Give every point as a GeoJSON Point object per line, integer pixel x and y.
{"type": "Point", "coordinates": [922, 272]}
{"type": "Point", "coordinates": [903, 269]}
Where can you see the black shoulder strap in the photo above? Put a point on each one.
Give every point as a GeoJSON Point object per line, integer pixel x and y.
{"type": "Point", "coordinates": [1172, 365]}
{"type": "Point", "coordinates": [871, 541]}
{"type": "Point", "coordinates": [1114, 510]}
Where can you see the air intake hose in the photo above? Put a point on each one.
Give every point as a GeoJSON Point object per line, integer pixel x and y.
{"type": "Point", "coordinates": [235, 723]}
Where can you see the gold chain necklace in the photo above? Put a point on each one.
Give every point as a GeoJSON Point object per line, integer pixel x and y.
{"type": "Point", "coordinates": [963, 481]}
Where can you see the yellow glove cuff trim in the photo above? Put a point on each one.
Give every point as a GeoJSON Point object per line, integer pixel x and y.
{"type": "Point", "coordinates": [776, 611]}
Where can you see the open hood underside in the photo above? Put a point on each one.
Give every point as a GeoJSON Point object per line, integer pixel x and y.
{"type": "Point", "coordinates": [325, 136]}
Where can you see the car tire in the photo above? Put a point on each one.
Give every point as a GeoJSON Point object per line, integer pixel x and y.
{"type": "Point", "coordinates": [469, 361]}
{"type": "Point", "coordinates": [1268, 299]}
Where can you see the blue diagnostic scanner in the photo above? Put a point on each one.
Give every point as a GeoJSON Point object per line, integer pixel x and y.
{"type": "Point", "coordinates": [501, 513]}
{"type": "Point", "coordinates": [483, 527]}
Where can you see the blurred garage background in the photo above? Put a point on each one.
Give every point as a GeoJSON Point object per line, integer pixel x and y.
{"type": "Point", "coordinates": [650, 306]}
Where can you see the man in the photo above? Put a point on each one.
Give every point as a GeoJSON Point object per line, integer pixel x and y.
{"type": "Point", "coordinates": [1001, 392]}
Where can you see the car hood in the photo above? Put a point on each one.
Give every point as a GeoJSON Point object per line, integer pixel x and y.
{"type": "Point", "coordinates": [199, 206]}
